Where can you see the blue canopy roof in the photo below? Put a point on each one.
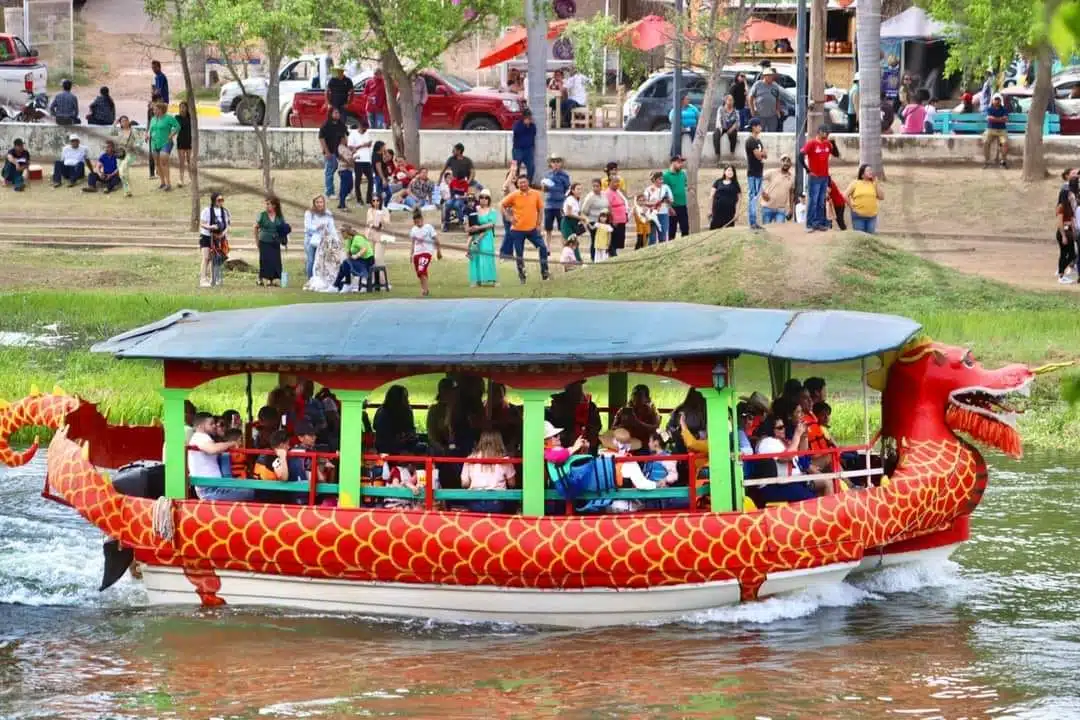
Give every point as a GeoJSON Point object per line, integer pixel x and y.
{"type": "Point", "coordinates": [490, 331]}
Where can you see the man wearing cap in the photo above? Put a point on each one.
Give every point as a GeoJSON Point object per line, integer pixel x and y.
{"type": "Point", "coordinates": [765, 101]}
{"type": "Point", "coordinates": [557, 183]}
{"type": "Point", "coordinates": [997, 122]}
{"type": "Point", "coordinates": [523, 151]}
{"type": "Point", "coordinates": [339, 90]}
{"type": "Point", "coordinates": [778, 193]}
{"type": "Point", "coordinates": [675, 178]}
{"type": "Point", "coordinates": [72, 163]}
{"type": "Point", "coordinates": [755, 170]}
{"type": "Point", "coordinates": [15, 164]}
{"type": "Point", "coordinates": [815, 156]}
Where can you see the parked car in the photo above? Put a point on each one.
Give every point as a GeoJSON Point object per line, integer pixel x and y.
{"type": "Point", "coordinates": [453, 104]}
{"type": "Point", "coordinates": [20, 69]}
{"type": "Point", "coordinates": [647, 108]}
{"type": "Point", "coordinates": [302, 73]}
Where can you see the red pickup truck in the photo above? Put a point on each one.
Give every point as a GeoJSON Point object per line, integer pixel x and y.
{"type": "Point", "coordinates": [452, 104]}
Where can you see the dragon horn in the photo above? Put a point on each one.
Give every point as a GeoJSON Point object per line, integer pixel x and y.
{"type": "Point", "coordinates": [1052, 367]}
{"type": "Point", "coordinates": [4, 405]}
{"type": "Point", "coordinates": [58, 391]}
{"type": "Point", "coordinates": [35, 391]}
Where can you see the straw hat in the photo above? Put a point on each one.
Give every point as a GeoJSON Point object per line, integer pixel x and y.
{"type": "Point", "coordinates": [756, 401]}
{"type": "Point", "coordinates": [619, 439]}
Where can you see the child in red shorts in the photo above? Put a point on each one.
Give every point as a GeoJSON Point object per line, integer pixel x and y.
{"type": "Point", "coordinates": [425, 244]}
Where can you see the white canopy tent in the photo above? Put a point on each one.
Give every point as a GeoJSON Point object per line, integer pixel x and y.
{"type": "Point", "coordinates": [913, 24]}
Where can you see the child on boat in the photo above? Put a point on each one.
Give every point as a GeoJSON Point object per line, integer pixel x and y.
{"type": "Point", "coordinates": [664, 473]}
{"type": "Point", "coordinates": [425, 245]}
{"type": "Point", "coordinates": [234, 462]}
{"type": "Point", "coordinates": [402, 476]}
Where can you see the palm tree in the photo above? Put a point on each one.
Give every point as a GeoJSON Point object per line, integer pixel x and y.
{"type": "Point", "coordinates": [868, 36]}
{"type": "Point", "coordinates": [536, 32]}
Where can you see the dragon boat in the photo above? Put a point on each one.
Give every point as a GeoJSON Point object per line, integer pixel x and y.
{"type": "Point", "coordinates": [547, 563]}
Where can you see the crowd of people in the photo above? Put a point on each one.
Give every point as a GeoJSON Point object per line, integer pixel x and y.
{"type": "Point", "coordinates": [472, 425]}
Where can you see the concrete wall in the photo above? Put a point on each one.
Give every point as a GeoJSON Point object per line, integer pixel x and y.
{"type": "Point", "coordinates": [238, 147]}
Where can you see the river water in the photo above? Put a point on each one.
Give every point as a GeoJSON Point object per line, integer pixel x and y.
{"type": "Point", "coordinates": [994, 634]}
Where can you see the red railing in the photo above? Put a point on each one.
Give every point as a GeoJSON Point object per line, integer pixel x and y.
{"type": "Point", "coordinates": [429, 462]}
{"type": "Point", "coordinates": [313, 455]}
{"type": "Point", "coordinates": [835, 475]}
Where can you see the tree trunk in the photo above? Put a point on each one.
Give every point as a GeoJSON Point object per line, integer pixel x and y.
{"type": "Point", "coordinates": [868, 34]}
{"type": "Point", "coordinates": [270, 115]}
{"type": "Point", "coordinates": [1034, 162]}
{"type": "Point", "coordinates": [717, 53]}
{"type": "Point", "coordinates": [536, 27]}
{"type": "Point", "coordinates": [393, 108]}
{"type": "Point", "coordinates": [402, 107]}
{"type": "Point", "coordinates": [189, 89]}
{"type": "Point", "coordinates": [816, 102]}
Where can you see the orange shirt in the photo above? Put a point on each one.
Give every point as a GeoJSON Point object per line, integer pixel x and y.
{"type": "Point", "coordinates": [526, 207]}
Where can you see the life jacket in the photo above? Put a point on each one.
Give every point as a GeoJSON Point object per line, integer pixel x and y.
{"type": "Point", "coordinates": [587, 475]}
{"type": "Point", "coordinates": [238, 464]}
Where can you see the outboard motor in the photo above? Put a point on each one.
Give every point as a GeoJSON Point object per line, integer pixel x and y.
{"type": "Point", "coordinates": [143, 479]}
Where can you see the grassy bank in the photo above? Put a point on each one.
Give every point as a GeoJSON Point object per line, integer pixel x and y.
{"type": "Point", "coordinates": [91, 295]}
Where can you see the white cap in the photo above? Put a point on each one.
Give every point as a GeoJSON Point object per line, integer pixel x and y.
{"type": "Point", "coordinates": [72, 137]}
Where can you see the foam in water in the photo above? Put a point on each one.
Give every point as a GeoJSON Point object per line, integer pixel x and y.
{"type": "Point", "coordinates": [873, 587]}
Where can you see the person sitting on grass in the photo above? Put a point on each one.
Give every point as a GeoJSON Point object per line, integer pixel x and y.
{"type": "Point", "coordinates": [419, 193]}
{"type": "Point", "coordinates": [359, 261]}
{"type": "Point", "coordinates": [571, 256]}
{"type": "Point", "coordinates": [106, 171]}
{"type": "Point", "coordinates": [72, 163]}
{"type": "Point", "coordinates": [15, 164]}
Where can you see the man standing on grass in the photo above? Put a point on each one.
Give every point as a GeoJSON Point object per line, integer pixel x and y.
{"type": "Point", "coordinates": [331, 134]}
{"type": "Point", "coordinates": [997, 131]}
{"type": "Point", "coordinates": [675, 178]}
{"type": "Point", "coordinates": [557, 184]}
{"type": "Point", "coordinates": [755, 169]}
{"type": "Point", "coordinates": [778, 193]}
{"type": "Point", "coordinates": [525, 206]}
{"type": "Point", "coordinates": [815, 158]}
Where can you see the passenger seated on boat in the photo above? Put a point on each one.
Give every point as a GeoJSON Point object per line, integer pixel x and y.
{"type": "Point", "coordinates": [266, 422]}
{"type": "Point", "coordinates": [694, 438]}
{"type": "Point", "coordinates": [283, 400]}
{"type": "Point", "coordinates": [757, 405]}
{"type": "Point", "coordinates": [620, 443]}
{"type": "Point", "coordinates": [554, 452]}
{"type": "Point", "coordinates": [483, 476]}
{"type": "Point", "coordinates": [693, 403]}
{"type": "Point", "coordinates": [233, 420]}
{"type": "Point", "coordinates": [440, 440]}
{"type": "Point", "coordinates": [575, 412]}
{"type": "Point", "coordinates": [234, 463]}
{"type": "Point", "coordinates": [202, 461]}
{"type": "Point", "coordinates": [402, 476]}
{"type": "Point", "coordinates": [504, 418]}
{"type": "Point", "coordinates": [332, 412]}
{"type": "Point", "coordinates": [467, 418]}
{"type": "Point", "coordinates": [664, 473]}
{"type": "Point", "coordinates": [818, 439]}
{"type": "Point", "coordinates": [311, 409]}
{"type": "Point", "coordinates": [777, 442]}
{"type": "Point", "coordinates": [639, 416]}
{"type": "Point", "coordinates": [277, 465]}
{"type": "Point", "coordinates": [395, 429]}
{"type": "Point", "coordinates": [816, 387]}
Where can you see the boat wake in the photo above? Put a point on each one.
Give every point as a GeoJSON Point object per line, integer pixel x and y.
{"type": "Point", "coordinates": [48, 554]}
{"type": "Point", "coordinates": [872, 587]}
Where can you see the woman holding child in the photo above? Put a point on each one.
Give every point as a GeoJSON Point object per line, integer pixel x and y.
{"type": "Point", "coordinates": [322, 244]}
{"type": "Point", "coordinates": [482, 242]}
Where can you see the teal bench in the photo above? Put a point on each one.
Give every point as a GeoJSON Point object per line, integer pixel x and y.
{"type": "Point", "coordinates": [948, 123]}
{"type": "Point", "coordinates": [390, 491]}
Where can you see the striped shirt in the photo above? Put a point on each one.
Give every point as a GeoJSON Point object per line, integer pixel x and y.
{"type": "Point", "coordinates": [65, 105]}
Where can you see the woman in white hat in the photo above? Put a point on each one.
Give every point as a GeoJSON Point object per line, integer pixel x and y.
{"type": "Point", "coordinates": [554, 452]}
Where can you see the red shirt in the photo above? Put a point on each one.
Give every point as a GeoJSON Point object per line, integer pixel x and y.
{"type": "Point", "coordinates": [817, 156]}
{"type": "Point", "coordinates": [376, 92]}
{"type": "Point", "coordinates": [835, 195]}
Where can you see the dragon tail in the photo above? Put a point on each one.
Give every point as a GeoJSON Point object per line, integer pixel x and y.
{"type": "Point", "coordinates": [37, 410]}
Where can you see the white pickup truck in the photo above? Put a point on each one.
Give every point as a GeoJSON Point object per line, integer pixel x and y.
{"type": "Point", "coordinates": [296, 74]}
{"type": "Point", "coordinates": [19, 65]}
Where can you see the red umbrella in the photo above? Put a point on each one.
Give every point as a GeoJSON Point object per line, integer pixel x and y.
{"type": "Point", "coordinates": [648, 33]}
{"type": "Point", "coordinates": [757, 30]}
{"type": "Point", "coordinates": [515, 42]}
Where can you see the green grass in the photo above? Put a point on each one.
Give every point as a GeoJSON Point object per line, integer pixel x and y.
{"type": "Point", "coordinates": [93, 295]}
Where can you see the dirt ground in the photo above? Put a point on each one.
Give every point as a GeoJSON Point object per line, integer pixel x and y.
{"type": "Point", "coordinates": [985, 222]}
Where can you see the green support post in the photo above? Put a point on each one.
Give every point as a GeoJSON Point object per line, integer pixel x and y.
{"type": "Point", "coordinates": [779, 373]}
{"type": "Point", "coordinates": [736, 460]}
{"type": "Point", "coordinates": [618, 393]}
{"type": "Point", "coordinates": [176, 485]}
{"type": "Point", "coordinates": [352, 450]}
{"type": "Point", "coordinates": [722, 490]}
{"type": "Point", "coordinates": [533, 476]}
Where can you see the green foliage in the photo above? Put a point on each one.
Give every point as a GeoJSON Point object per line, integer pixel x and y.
{"type": "Point", "coordinates": [1064, 28]}
{"type": "Point", "coordinates": [418, 32]}
{"type": "Point", "coordinates": [988, 33]}
{"type": "Point", "coordinates": [590, 39]}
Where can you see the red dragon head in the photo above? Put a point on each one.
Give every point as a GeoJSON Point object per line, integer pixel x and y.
{"type": "Point", "coordinates": [935, 390]}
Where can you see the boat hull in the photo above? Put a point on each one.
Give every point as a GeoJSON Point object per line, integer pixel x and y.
{"type": "Point", "coordinates": [931, 548]}
{"type": "Point", "coordinates": [579, 608]}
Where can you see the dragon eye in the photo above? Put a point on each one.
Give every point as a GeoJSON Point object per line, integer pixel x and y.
{"type": "Point", "coordinates": [969, 359]}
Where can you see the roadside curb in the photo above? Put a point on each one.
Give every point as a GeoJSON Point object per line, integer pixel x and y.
{"type": "Point", "coordinates": [201, 109]}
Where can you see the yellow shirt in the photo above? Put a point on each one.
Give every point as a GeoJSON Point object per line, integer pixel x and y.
{"type": "Point", "coordinates": [864, 200]}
